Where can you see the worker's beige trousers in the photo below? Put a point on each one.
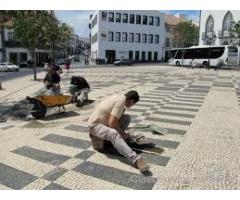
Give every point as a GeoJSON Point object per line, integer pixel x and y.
{"type": "Point", "coordinates": [110, 134]}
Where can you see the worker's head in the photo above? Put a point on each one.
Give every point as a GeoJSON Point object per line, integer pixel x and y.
{"type": "Point", "coordinates": [132, 97]}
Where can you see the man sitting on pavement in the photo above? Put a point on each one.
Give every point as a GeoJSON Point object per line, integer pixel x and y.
{"type": "Point", "coordinates": [52, 81]}
{"type": "Point", "coordinates": [108, 122]}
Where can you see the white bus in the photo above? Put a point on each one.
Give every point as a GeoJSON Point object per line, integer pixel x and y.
{"type": "Point", "coordinates": [205, 56]}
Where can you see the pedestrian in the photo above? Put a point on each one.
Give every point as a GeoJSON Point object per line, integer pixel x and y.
{"type": "Point", "coordinates": [52, 82]}
{"type": "Point", "coordinates": [67, 64]}
{"type": "Point", "coordinates": [1, 88]}
{"type": "Point", "coordinates": [219, 65]}
{"type": "Point", "coordinates": [85, 60]}
{"type": "Point", "coordinates": [108, 123]}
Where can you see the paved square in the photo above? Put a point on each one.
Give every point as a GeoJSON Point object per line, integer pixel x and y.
{"type": "Point", "coordinates": [198, 108]}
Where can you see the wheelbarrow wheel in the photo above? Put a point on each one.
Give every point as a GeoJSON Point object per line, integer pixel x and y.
{"type": "Point", "coordinates": [39, 111]}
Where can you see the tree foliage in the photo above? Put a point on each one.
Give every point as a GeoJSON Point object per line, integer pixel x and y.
{"type": "Point", "coordinates": [235, 33]}
{"type": "Point", "coordinates": [185, 34]}
{"type": "Point", "coordinates": [39, 30]}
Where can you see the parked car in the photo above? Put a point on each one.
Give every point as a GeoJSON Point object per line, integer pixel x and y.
{"type": "Point", "coordinates": [9, 67]}
{"type": "Point", "coordinates": [124, 62]}
{"type": "Point", "coordinates": [3, 67]}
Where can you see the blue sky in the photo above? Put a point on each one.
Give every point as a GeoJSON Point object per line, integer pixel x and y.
{"type": "Point", "coordinates": [79, 19]}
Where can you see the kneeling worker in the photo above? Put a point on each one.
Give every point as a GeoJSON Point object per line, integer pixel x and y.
{"type": "Point", "coordinates": [108, 122]}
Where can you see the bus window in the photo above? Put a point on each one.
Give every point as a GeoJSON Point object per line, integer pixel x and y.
{"type": "Point", "coordinates": [172, 53]}
{"type": "Point", "coordinates": [179, 54]}
{"type": "Point", "coordinates": [216, 52]}
{"type": "Point", "coordinates": [232, 50]}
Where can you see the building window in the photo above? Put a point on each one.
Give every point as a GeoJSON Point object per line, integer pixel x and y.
{"type": "Point", "coordinates": [110, 36]}
{"type": "Point", "coordinates": [145, 19]}
{"type": "Point", "coordinates": [118, 17]}
{"type": "Point", "coordinates": [136, 55]}
{"type": "Point", "coordinates": [130, 55]}
{"type": "Point", "coordinates": [94, 38]}
{"type": "Point", "coordinates": [111, 17]}
{"type": "Point", "coordinates": [138, 19]}
{"type": "Point", "coordinates": [125, 18]}
{"type": "Point", "coordinates": [131, 37]}
{"type": "Point", "coordinates": [94, 21]}
{"type": "Point", "coordinates": [155, 56]}
{"type": "Point", "coordinates": [151, 21]}
{"type": "Point", "coordinates": [157, 21]}
{"type": "Point", "coordinates": [144, 38]}
{"type": "Point", "coordinates": [143, 55]}
{"type": "Point", "coordinates": [209, 24]}
{"type": "Point", "coordinates": [138, 38]}
{"type": "Point", "coordinates": [132, 18]}
{"type": "Point", "coordinates": [117, 36]}
{"type": "Point", "coordinates": [10, 36]}
{"type": "Point", "coordinates": [124, 37]}
{"type": "Point", "coordinates": [167, 42]}
{"type": "Point", "coordinates": [149, 56]}
{"type": "Point", "coordinates": [104, 16]}
{"type": "Point", "coordinates": [150, 38]}
{"type": "Point", "coordinates": [156, 39]}
{"type": "Point", "coordinates": [227, 22]}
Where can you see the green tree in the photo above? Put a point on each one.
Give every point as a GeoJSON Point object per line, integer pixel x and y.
{"type": "Point", "coordinates": [235, 33]}
{"type": "Point", "coordinates": [185, 34]}
{"type": "Point", "coordinates": [31, 29]}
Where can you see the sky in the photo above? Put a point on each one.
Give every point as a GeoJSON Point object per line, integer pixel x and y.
{"type": "Point", "coordinates": [79, 19]}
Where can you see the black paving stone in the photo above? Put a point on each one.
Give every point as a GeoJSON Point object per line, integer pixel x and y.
{"type": "Point", "coordinates": [117, 176]}
{"type": "Point", "coordinates": [168, 88]}
{"type": "Point", "coordinates": [171, 121]}
{"type": "Point", "coordinates": [156, 159]}
{"type": "Point", "coordinates": [178, 108]}
{"type": "Point", "coordinates": [174, 114]}
{"type": "Point", "coordinates": [68, 141]}
{"type": "Point", "coordinates": [186, 100]}
{"type": "Point", "coordinates": [54, 174]}
{"type": "Point", "coordinates": [164, 143]}
{"type": "Point", "coordinates": [138, 109]}
{"type": "Point", "coordinates": [148, 101]}
{"type": "Point", "coordinates": [85, 154]}
{"type": "Point", "coordinates": [54, 186]}
{"type": "Point", "coordinates": [196, 91]}
{"type": "Point", "coordinates": [185, 104]}
{"type": "Point", "coordinates": [14, 178]}
{"type": "Point", "coordinates": [200, 87]}
{"type": "Point", "coordinates": [77, 128]}
{"type": "Point", "coordinates": [190, 97]}
{"type": "Point", "coordinates": [175, 131]}
{"type": "Point", "coordinates": [42, 156]}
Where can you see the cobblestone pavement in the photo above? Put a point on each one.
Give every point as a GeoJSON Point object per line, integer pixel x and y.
{"type": "Point", "coordinates": [201, 149]}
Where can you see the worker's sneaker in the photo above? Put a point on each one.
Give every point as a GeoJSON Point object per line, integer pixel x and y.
{"type": "Point", "coordinates": [142, 165]}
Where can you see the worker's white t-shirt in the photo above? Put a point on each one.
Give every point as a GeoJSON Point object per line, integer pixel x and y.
{"type": "Point", "coordinates": [113, 105]}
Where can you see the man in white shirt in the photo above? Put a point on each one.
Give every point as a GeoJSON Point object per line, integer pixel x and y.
{"type": "Point", "coordinates": [108, 122]}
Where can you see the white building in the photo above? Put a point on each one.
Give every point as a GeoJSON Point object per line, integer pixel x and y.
{"type": "Point", "coordinates": [215, 26]}
{"type": "Point", "coordinates": [138, 35]}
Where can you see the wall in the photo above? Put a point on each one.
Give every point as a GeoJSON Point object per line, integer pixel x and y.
{"type": "Point", "coordinates": [122, 48]}
{"type": "Point", "coordinates": [218, 16]}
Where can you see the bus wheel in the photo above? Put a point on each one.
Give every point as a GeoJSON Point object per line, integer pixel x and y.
{"type": "Point", "coordinates": [205, 64]}
{"type": "Point", "coordinates": [178, 63]}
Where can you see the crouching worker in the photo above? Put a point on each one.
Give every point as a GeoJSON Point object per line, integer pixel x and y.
{"type": "Point", "coordinates": [52, 82]}
{"type": "Point", "coordinates": [79, 89]}
{"type": "Point", "coordinates": [108, 123]}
